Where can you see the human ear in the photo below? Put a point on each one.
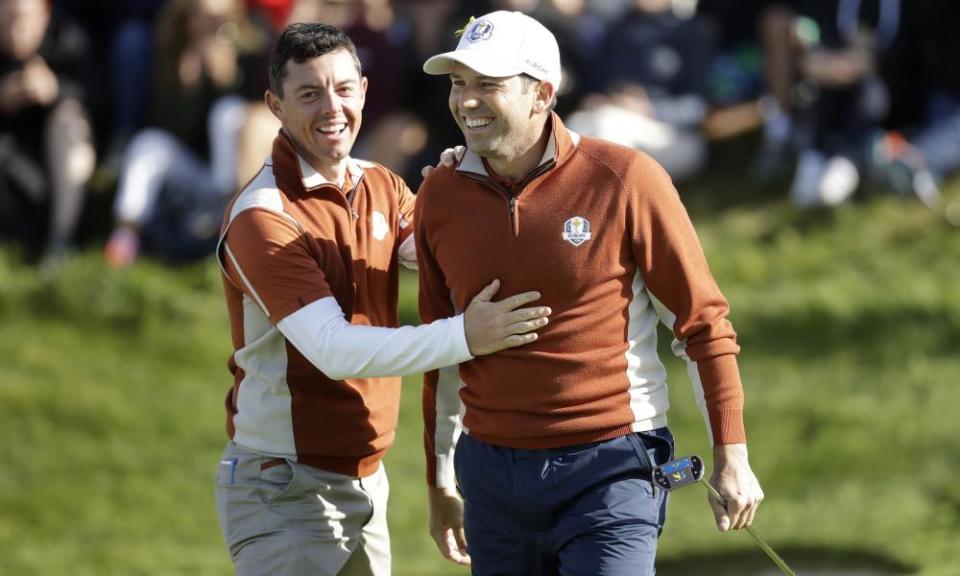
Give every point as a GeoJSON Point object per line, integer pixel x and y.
{"type": "Point", "coordinates": [546, 93]}
{"type": "Point", "coordinates": [274, 103]}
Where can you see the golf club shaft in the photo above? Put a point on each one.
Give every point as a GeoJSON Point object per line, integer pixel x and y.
{"type": "Point", "coordinates": [760, 541]}
{"type": "Point", "coordinates": [770, 552]}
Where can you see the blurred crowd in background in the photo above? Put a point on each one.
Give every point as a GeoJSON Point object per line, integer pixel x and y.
{"type": "Point", "coordinates": [129, 123]}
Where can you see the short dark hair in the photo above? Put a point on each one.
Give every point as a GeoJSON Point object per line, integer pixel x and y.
{"type": "Point", "coordinates": [303, 41]}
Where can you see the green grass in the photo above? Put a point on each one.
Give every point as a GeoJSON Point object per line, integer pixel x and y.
{"type": "Point", "coordinates": [112, 384]}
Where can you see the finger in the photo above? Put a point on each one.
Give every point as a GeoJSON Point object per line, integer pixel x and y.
{"type": "Point", "coordinates": [737, 519]}
{"type": "Point", "coordinates": [749, 514]}
{"type": "Point", "coordinates": [750, 511]}
{"type": "Point", "coordinates": [719, 514]}
{"type": "Point", "coordinates": [755, 507]}
{"type": "Point", "coordinates": [461, 538]}
{"type": "Point", "coordinates": [488, 292]}
{"type": "Point", "coordinates": [451, 550]}
{"type": "Point", "coordinates": [426, 170]}
{"type": "Point", "coordinates": [517, 300]}
{"type": "Point", "coordinates": [745, 512]}
{"type": "Point", "coordinates": [440, 539]}
{"type": "Point", "coordinates": [459, 151]}
{"type": "Point", "coordinates": [525, 326]}
{"type": "Point", "coordinates": [522, 314]}
{"type": "Point", "coordinates": [458, 558]}
{"type": "Point", "coordinates": [517, 340]}
{"type": "Point", "coordinates": [736, 509]}
{"type": "Point", "coordinates": [448, 157]}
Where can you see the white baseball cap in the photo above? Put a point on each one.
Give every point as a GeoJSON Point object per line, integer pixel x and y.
{"type": "Point", "coordinates": [502, 44]}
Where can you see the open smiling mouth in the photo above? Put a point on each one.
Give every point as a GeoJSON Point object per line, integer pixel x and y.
{"type": "Point", "coordinates": [333, 129]}
{"type": "Point", "coordinates": [477, 122]}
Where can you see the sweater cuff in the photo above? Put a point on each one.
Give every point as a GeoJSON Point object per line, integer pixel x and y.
{"type": "Point", "coordinates": [727, 426]}
{"type": "Point", "coordinates": [723, 395]}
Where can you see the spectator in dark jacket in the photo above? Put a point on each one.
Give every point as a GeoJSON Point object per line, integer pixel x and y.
{"type": "Point", "coordinates": [179, 173]}
{"type": "Point", "coordinates": [46, 148]}
{"type": "Point", "coordinates": [651, 76]}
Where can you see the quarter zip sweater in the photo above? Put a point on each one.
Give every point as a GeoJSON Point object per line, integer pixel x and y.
{"type": "Point", "coordinates": [600, 231]}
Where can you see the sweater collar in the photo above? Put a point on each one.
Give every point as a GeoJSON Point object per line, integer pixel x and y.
{"type": "Point", "coordinates": [297, 174]}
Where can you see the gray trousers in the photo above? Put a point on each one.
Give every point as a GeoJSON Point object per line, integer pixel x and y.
{"type": "Point", "coordinates": [279, 517]}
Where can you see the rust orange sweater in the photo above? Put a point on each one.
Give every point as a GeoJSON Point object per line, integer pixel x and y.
{"type": "Point", "coordinates": [600, 231]}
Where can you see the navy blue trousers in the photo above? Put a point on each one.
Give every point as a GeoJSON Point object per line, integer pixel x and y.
{"type": "Point", "coordinates": [589, 509]}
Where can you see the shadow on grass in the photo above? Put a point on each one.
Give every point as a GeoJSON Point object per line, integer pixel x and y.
{"type": "Point", "coordinates": [803, 560]}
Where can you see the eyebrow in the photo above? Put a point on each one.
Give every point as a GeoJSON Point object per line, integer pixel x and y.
{"type": "Point", "coordinates": [348, 82]}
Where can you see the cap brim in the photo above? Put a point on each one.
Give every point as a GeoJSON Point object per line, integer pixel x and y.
{"type": "Point", "coordinates": [476, 60]}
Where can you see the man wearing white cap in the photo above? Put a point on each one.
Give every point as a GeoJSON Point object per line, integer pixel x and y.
{"type": "Point", "coordinates": [556, 442]}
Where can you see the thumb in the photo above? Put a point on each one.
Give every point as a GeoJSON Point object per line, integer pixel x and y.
{"type": "Point", "coordinates": [448, 158]}
{"type": "Point", "coordinates": [461, 538]}
{"type": "Point", "coordinates": [488, 292]}
{"type": "Point", "coordinates": [459, 151]}
{"type": "Point", "coordinates": [720, 514]}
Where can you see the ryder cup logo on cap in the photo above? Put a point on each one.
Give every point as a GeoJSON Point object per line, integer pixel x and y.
{"type": "Point", "coordinates": [480, 31]}
{"type": "Point", "coordinates": [503, 44]}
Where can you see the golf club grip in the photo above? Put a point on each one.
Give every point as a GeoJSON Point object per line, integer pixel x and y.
{"type": "Point", "coordinates": [760, 541]}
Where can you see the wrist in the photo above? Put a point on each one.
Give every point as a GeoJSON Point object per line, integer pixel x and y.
{"type": "Point", "coordinates": [438, 495]}
{"type": "Point", "coordinates": [462, 339]}
{"type": "Point", "coordinates": [724, 454]}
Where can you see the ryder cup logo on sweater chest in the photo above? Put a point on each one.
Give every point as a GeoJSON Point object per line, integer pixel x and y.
{"type": "Point", "coordinates": [576, 230]}
{"type": "Point", "coordinates": [380, 228]}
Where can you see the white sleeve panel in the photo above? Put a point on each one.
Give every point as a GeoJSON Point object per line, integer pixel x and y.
{"type": "Point", "coordinates": [669, 319]}
{"type": "Point", "coordinates": [407, 252]}
{"type": "Point", "coordinates": [448, 430]}
{"type": "Point", "coordinates": [679, 348]}
{"type": "Point", "coordinates": [341, 350]}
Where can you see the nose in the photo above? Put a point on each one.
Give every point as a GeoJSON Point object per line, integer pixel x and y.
{"type": "Point", "coordinates": [468, 99]}
{"type": "Point", "coordinates": [330, 103]}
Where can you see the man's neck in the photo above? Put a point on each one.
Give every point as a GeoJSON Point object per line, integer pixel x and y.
{"type": "Point", "coordinates": [333, 173]}
{"type": "Point", "coordinates": [517, 168]}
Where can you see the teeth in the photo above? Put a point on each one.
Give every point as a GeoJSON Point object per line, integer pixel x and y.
{"type": "Point", "coordinates": [332, 129]}
{"type": "Point", "coordinates": [478, 122]}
